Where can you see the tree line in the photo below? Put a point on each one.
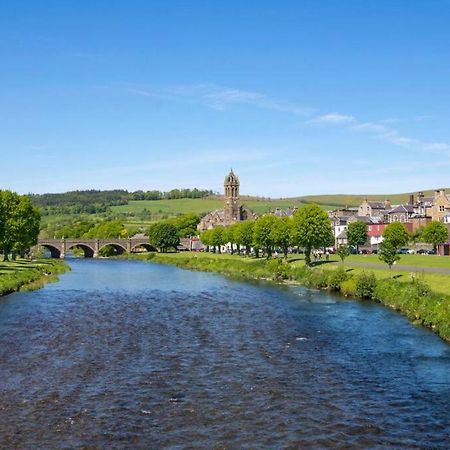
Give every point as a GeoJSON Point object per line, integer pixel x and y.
{"type": "Point", "coordinates": [309, 228]}
{"type": "Point", "coordinates": [19, 224]}
{"type": "Point", "coordinates": [97, 201]}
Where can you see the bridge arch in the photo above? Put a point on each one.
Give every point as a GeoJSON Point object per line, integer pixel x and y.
{"type": "Point", "coordinates": [55, 252]}
{"type": "Point", "coordinates": [148, 247]}
{"type": "Point", "coordinates": [89, 252]}
{"type": "Point", "coordinates": [118, 248]}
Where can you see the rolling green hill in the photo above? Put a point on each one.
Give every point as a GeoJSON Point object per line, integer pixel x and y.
{"type": "Point", "coordinates": [203, 205]}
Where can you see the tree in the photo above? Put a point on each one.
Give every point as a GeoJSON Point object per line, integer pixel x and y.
{"type": "Point", "coordinates": [396, 234]}
{"type": "Point", "coordinates": [343, 252]}
{"type": "Point", "coordinates": [312, 229]}
{"type": "Point", "coordinates": [243, 234]}
{"type": "Point", "coordinates": [388, 253]}
{"type": "Point", "coordinates": [218, 237]}
{"type": "Point", "coordinates": [205, 237]}
{"type": "Point", "coordinates": [186, 224]}
{"type": "Point", "coordinates": [163, 236]}
{"type": "Point", "coordinates": [19, 224]}
{"type": "Point", "coordinates": [282, 234]}
{"type": "Point", "coordinates": [28, 225]}
{"type": "Point", "coordinates": [357, 234]}
{"type": "Point", "coordinates": [263, 233]}
{"type": "Point", "coordinates": [435, 233]}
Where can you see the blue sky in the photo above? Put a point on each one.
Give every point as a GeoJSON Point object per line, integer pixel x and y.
{"type": "Point", "coordinates": [299, 97]}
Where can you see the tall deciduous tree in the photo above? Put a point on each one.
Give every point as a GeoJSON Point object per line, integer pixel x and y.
{"type": "Point", "coordinates": [163, 236]}
{"type": "Point", "coordinates": [312, 229]}
{"type": "Point", "coordinates": [19, 223]}
{"type": "Point", "coordinates": [357, 234]}
{"type": "Point", "coordinates": [263, 233]}
{"type": "Point", "coordinates": [435, 233]}
{"type": "Point", "coordinates": [28, 225]}
{"type": "Point", "coordinates": [282, 233]}
{"type": "Point", "coordinates": [396, 234]}
{"type": "Point", "coordinates": [244, 234]}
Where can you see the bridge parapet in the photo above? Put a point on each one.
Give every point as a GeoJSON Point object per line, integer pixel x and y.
{"type": "Point", "coordinates": [92, 247]}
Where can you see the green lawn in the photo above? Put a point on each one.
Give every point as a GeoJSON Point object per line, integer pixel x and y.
{"type": "Point", "coordinates": [407, 260]}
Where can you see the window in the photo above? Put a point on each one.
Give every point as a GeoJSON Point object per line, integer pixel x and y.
{"type": "Point", "coordinates": [442, 208]}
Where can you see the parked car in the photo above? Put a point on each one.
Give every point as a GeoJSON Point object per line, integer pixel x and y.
{"type": "Point", "coordinates": [404, 251]}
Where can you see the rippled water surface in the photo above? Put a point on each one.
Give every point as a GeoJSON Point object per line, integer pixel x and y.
{"type": "Point", "coordinates": [130, 355]}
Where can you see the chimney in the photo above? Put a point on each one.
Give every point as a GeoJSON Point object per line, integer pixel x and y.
{"type": "Point", "coordinates": [411, 199]}
{"type": "Point", "coordinates": [387, 204]}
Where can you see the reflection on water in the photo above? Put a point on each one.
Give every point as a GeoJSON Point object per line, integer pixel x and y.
{"type": "Point", "coordinates": [133, 355]}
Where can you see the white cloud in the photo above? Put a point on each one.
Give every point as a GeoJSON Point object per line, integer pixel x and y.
{"type": "Point", "coordinates": [333, 118]}
{"type": "Point", "coordinates": [220, 98]}
{"type": "Point", "coordinates": [437, 146]}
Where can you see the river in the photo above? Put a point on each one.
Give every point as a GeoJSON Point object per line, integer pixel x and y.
{"type": "Point", "coordinates": [132, 355]}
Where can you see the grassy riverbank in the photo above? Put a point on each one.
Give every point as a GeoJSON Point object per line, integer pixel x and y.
{"type": "Point", "coordinates": [411, 295]}
{"type": "Point", "coordinates": [29, 275]}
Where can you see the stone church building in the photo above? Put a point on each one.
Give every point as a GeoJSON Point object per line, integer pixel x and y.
{"type": "Point", "coordinates": [232, 211]}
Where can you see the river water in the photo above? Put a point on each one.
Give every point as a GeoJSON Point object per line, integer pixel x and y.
{"type": "Point", "coordinates": [131, 355]}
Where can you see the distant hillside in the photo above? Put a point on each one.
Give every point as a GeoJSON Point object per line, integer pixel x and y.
{"type": "Point", "coordinates": [355, 200]}
{"type": "Point", "coordinates": [124, 206]}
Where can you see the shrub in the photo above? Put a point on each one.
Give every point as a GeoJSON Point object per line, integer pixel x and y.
{"type": "Point", "coordinates": [279, 269]}
{"type": "Point", "coordinates": [348, 287]}
{"type": "Point", "coordinates": [336, 278]}
{"type": "Point", "coordinates": [365, 284]}
{"type": "Point", "coordinates": [317, 279]}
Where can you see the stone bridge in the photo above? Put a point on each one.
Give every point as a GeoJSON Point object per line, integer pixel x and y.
{"type": "Point", "coordinates": [91, 247]}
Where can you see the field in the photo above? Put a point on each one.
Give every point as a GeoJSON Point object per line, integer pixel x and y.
{"type": "Point", "coordinates": [23, 274]}
{"type": "Point", "coordinates": [202, 206]}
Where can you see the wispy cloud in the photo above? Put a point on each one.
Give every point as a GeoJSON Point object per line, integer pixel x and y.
{"type": "Point", "coordinates": [220, 98]}
{"type": "Point", "coordinates": [333, 118]}
{"type": "Point", "coordinates": [379, 130]}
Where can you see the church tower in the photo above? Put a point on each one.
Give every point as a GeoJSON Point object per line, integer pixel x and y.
{"type": "Point", "coordinates": [231, 207]}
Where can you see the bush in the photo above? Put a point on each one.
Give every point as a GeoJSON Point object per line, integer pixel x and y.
{"type": "Point", "coordinates": [348, 287]}
{"type": "Point", "coordinates": [317, 279]}
{"type": "Point", "coordinates": [336, 278]}
{"type": "Point", "coordinates": [365, 284]}
{"type": "Point", "coordinates": [279, 269]}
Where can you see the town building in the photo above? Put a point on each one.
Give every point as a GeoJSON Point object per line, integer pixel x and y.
{"type": "Point", "coordinates": [232, 211]}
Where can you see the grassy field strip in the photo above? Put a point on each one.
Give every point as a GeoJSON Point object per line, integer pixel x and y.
{"type": "Point", "coordinates": [27, 275]}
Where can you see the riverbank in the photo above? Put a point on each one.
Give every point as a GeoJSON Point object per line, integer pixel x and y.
{"type": "Point", "coordinates": [23, 275]}
{"type": "Point", "coordinates": [410, 295]}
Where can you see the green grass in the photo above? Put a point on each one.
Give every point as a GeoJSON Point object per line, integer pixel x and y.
{"type": "Point", "coordinates": [431, 261]}
{"type": "Point", "coordinates": [203, 206]}
{"type": "Point", "coordinates": [26, 275]}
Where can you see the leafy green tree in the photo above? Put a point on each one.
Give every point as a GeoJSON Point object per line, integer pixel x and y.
{"type": "Point", "coordinates": [343, 252]}
{"type": "Point", "coordinates": [263, 236]}
{"type": "Point", "coordinates": [28, 225]}
{"type": "Point", "coordinates": [282, 231]}
{"type": "Point", "coordinates": [218, 237]}
{"type": "Point", "coordinates": [396, 234]}
{"type": "Point", "coordinates": [206, 238]}
{"type": "Point", "coordinates": [230, 236]}
{"type": "Point", "coordinates": [435, 233]}
{"type": "Point", "coordinates": [19, 224]}
{"type": "Point", "coordinates": [312, 229]}
{"type": "Point", "coordinates": [388, 253]}
{"type": "Point", "coordinates": [244, 234]}
{"type": "Point", "coordinates": [9, 201]}
{"type": "Point", "coordinates": [186, 224]}
{"type": "Point", "coordinates": [357, 234]}
{"type": "Point", "coordinates": [163, 236]}
{"type": "Point", "coordinates": [108, 229]}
